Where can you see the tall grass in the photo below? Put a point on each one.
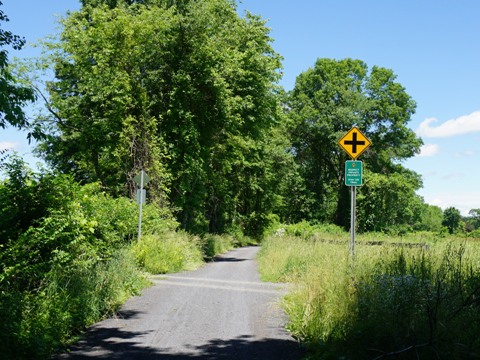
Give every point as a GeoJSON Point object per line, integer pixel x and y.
{"type": "Point", "coordinates": [390, 302]}
{"type": "Point", "coordinates": [168, 252]}
{"type": "Point", "coordinates": [35, 324]}
{"type": "Point", "coordinates": [213, 244]}
{"type": "Point", "coordinates": [67, 259]}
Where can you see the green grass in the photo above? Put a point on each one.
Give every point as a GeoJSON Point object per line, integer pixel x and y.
{"type": "Point", "coordinates": [417, 301]}
{"type": "Point", "coordinates": [213, 245]}
{"type": "Point", "coordinates": [37, 323]}
{"type": "Point", "coordinates": [71, 296]}
{"type": "Point", "coordinates": [168, 252]}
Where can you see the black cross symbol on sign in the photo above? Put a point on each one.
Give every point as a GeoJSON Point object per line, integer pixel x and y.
{"type": "Point", "coordinates": [354, 142]}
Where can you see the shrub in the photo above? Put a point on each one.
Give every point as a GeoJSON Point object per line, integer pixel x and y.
{"type": "Point", "coordinates": [64, 258]}
{"type": "Point", "coordinates": [168, 252]}
{"type": "Point", "coordinates": [213, 245]}
{"type": "Point", "coordinates": [474, 234]}
{"type": "Point", "coordinates": [35, 323]}
{"type": "Point", "coordinates": [305, 230]}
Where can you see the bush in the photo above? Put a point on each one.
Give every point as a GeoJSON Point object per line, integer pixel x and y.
{"type": "Point", "coordinates": [213, 245]}
{"type": "Point", "coordinates": [474, 234]}
{"type": "Point", "coordinates": [168, 252]}
{"type": "Point", "coordinates": [38, 322]}
{"type": "Point", "coordinates": [305, 230]}
{"type": "Point", "coordinates": [64, 258]}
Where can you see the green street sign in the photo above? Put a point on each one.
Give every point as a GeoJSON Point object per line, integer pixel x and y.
{"type": "Point", "coordinates": [138, 178]}
{"type": "Point", "coordinates": [353, 173]}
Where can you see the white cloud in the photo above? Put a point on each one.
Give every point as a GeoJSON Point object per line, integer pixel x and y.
{"type": "Point", "coordinates": [4, 145]}
{"type": "Point", "coordinates": [466, 153]}
{"type": "Point", "coordinates": [436, 202]}
{"type": "Point", "coordinates": [463, 201]}
{"type": "Point", "coordinates": [428, 150]}
{"type": "Point", "coordinates": [463, 125]}
{"type": "Point", "coordinates": [454, 175]}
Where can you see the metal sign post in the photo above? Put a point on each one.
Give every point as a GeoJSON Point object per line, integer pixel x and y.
{"type": "Point", "coordinates": [141, 179]}
{"type": "Point", "coordinates": [354, 142]}
{"type": "Point", "coordinates": [352, 219]}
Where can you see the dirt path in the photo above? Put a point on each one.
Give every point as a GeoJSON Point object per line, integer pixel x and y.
{"type": "Point", "coordinates": [221, 311]}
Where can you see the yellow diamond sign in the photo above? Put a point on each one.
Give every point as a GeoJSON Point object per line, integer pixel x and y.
{"type": "Point", "coordinates": [354, 142]}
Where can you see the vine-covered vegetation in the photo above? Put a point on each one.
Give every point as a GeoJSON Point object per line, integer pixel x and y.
{"type": "Point", "coordinates": [69, 256]}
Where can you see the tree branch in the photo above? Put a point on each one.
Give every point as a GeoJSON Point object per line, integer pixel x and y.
{"type": "Point", "coordinates": [50, 109]}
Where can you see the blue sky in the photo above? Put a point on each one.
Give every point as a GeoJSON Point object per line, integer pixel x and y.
{"type": "Point", "coordinates": [433, 46]}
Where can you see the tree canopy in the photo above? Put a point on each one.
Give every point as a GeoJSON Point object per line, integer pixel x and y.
{"type": "Point", "coordinates": [327, 101]}
{"type": "Point", "coordinates": [13, 96]}
{"type": "Point", "coordinates": [185, 91]}
{"type": "Point", "coordinates": [451, 219]}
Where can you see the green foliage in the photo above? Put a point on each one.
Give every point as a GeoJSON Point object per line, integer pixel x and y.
{"type": "Point", "coordinates": [213, 245]}
{"type": "Point", "coordinates": [451, 219]}
{"type": "Point", "coordinates": [430, 219]}
{"type": "Point", "coordinates": [28, 197]}
{"type": "Point", "coordinates": [387, 201]}
{"type": "Point", "coordinates": [64, 257]}
{"type": "Point", "coordinates": [472, 222]}
{"type": "Point", "coordinates": [68, 260]}
{"type": "Point", "coordinates": [13, 96]}
{"type": "Point", "coordinates": [475, 234]}
{"type": "Point", "coordinates": [326, 102]}
{"type": "Point", "coordinates": [186, 92]}
{"type": "Point", "coordinates": [36, 323]}
{"type": "Point", "coordinates": [391, 301]}
{"type": "Point", "coordinates": [63, 223]}
{"type": "Point", "coordinates": [168, 252]}
{"type": "Point", "coordinates": [156, 219]}
{"type": "Point", "coordinates": [306, 230]}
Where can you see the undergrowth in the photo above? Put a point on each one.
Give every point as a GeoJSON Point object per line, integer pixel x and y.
{"type": "Point", "coordinates": [390, 302]}
{"type": "Point", "coordinates": [69, 256]}
{"type": "Point", "coordinates": [168, 252]}
{"type": "Point", "coordinates": [39, 321]}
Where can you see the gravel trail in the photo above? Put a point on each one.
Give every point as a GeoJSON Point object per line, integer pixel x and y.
{"type": "Point", "coordinates": [221, 311]}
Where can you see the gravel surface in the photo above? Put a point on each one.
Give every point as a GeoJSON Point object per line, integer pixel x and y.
{"type": "Point", "coordinates": [221, 311]}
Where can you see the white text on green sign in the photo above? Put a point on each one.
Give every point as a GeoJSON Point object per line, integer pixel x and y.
{"type": "Point", "coordinates": [353, 173]}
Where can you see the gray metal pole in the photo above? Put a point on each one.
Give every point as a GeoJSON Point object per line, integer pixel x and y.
{"type": "Point", "coordinates": [141, 204]}
{"type": "Point", "coordinates": [352, 220]}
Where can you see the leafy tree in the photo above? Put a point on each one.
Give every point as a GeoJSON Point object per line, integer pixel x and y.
{"type": "Point", "coordinates": [102, 130]}
{"type": "Point", "coordinates": [431, 218]}
{"type": "Point", "coordinates": [13, 96]}
{"type": "Point", "coordinates": [472, 223]}
{"type": "Point", "coordinates": [27, 197]}
{"type": "Point", "coordinates": [386, 201]}
{"type": "Point", "coordinates": [451, 219]}
{"type": "Point", "coordinates": [182, 89]}
{"type": "Point", "coordinates": [326, 102]}
{"type": "Point", "coordinates": [111, 3]}
{"type": "Point", "coordinates": [474, 219]}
